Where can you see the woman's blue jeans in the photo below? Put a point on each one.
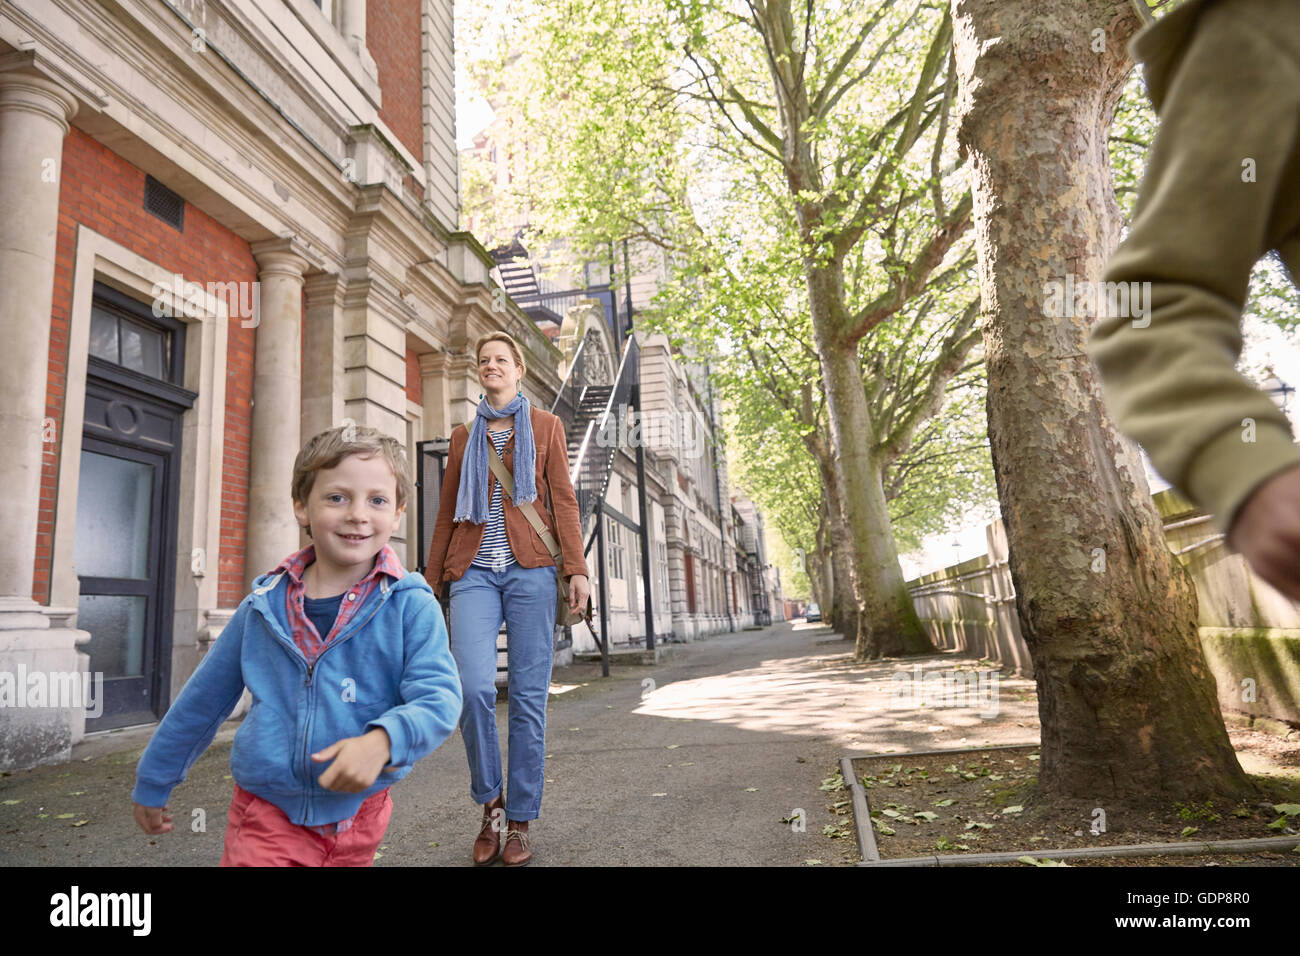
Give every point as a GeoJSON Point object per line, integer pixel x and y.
{"type": "Point", "coordinates": [525, 598]}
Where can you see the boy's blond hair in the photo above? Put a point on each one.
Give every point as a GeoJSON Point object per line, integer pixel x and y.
{"type": "Point", "coordinates": [331, 446]}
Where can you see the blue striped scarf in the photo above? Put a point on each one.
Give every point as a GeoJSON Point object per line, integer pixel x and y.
{"type": "Point", "coordinates": [472, 499]}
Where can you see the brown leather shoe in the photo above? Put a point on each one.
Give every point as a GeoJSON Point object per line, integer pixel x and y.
{"type": "Point", "coordinates": [488, 843]}
{"type": "Point", "coordinates": [517, 851]}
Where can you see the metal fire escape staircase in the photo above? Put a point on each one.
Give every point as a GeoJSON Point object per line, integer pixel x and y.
{"type": "Point", "coordinates": [592, 414]}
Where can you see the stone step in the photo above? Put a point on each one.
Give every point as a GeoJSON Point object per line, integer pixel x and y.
{"type": "Point", "coordinates": [637, 656]}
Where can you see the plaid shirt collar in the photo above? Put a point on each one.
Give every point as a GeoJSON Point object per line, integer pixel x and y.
{"type": "Point", "coordinates": [304, 633]}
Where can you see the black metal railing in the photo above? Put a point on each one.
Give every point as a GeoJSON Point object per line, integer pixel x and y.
{"type": "Point", "coordinates": [595, 410]}
{"type": "Point", "coordinates": [598, 434]}
{"type": "Point", "coordinates": [430, 466]}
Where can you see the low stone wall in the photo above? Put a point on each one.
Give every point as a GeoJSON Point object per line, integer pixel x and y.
{"type": "Point", "coordinates": [1250, 633]}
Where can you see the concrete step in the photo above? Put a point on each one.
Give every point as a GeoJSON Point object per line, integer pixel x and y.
{"type": "Point", "coordinates": [628, 655]}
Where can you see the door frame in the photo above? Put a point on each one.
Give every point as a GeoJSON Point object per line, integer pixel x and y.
{"type": "Point", "coordinates": [169, 397]}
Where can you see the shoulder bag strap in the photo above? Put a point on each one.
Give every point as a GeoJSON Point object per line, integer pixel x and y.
{"type": "Point", "coordinates": [499, 469]}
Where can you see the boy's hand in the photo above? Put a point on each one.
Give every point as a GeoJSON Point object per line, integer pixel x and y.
{"type": "Point", "coordinates": [153, 820]}
{"type": "Point", "coordinates": [357, 761]}
{"type": "Point", "coordinates": [1266, 532]}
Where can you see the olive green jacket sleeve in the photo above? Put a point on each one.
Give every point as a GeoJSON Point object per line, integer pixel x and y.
{"type": "Point", "coordinates": [1221, 189]}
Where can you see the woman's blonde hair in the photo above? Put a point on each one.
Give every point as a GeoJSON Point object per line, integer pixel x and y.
{"type": "Point", "coordinates": [330, 447]}
{"type": "Point", "coordinates": [500, 337]}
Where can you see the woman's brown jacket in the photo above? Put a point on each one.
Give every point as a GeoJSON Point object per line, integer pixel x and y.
{"type": "Point", "coordinates": [456, 544]}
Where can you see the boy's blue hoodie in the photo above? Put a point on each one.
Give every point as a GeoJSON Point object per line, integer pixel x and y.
{"type": "Point", "coordinates": [391, 668]}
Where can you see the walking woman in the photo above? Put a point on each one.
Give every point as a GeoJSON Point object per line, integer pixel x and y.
{"type": "Point", "coordinates": [497, 567]}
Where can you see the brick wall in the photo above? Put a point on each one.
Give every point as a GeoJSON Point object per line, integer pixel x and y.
{"type": "Point", "coordinates": [106, 193]}
{"type": "Point", "coordinates": [393, 39]}
{"type": "Point", "coordinates": [414, 387]}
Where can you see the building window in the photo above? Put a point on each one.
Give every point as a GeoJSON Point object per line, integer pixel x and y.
{"type": "Point", "coordinates": [661, 550]}
{"type": "Point", "coordinates": [131, 344]}
{"type": "Point", "coordinates": [614, 532]}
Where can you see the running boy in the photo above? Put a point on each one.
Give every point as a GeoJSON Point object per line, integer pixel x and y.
{"type": "Point", "coordinates": [347, 659]}
{"type": "Point", "coordinates": [1221, 188]}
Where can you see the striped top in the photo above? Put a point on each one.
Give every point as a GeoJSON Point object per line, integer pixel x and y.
{"type": "Point", "coordinates": [495, 551]}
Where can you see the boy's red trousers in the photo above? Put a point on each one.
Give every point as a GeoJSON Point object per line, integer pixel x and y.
{"type": "Point", "coordinates": [259, 834]}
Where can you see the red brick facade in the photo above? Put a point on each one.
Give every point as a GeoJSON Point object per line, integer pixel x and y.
{"type": "Point", "coordinates": [393, 39]}
{"type": "Point", "coordinates": [106, 193]}
{"type": "Point", "coordinates": [414, 387]}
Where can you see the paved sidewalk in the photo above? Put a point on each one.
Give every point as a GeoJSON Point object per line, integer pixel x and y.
{"type": "Point", "coordinates": [736, 732]}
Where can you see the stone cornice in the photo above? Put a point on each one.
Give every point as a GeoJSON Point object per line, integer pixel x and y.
{"type": "Point", "coordinates": [48, 79]}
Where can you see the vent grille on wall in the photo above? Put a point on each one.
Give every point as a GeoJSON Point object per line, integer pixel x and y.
{"type": "Point", "coordinates": [163, 203]}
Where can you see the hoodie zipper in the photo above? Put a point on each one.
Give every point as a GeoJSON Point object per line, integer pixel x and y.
{"type": "Point", "coordinates": [310, 667]}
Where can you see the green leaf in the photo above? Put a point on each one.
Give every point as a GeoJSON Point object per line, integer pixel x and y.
{"type": "Point", "coordinates": [1278, 824]}
{"type": "Point", "coordinates": [1288, 809]}
{"type": "Point", "coordinates": [64, 816]}
{"type": "Point", "coordinates": [976, 823]}
{"type": "Point", "coordinates": [927, 815]}
{"type": "Point", "coordinates": [892, 814]}
{"type": "Point", "coordinates": [945, 803]}
{"type": "Point", "coordinates": [1013, 809]}
{"type": "Point", "coordinates": [833, 783]}
{"type": "Point", "coordinates": [10, 803]}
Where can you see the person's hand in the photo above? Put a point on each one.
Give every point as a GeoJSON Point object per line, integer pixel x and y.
{"type": "Point", "coordinates": [579, 591]}
{"type": "Point", "coordinates": [153, 820]}
{"type": "Point", "coordinates": [1266, 532]}
{"type": "Point", "coordinates": [357, 761]}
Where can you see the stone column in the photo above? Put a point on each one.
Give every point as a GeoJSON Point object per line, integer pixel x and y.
{"type": "Point", "coordinates": [322, 374]}
{"type": "Point", "coordinates": [34, 114]}
{"type": "Point", "coordinates": [277, 407]}
{"type": "Point", "coordinates": [36, 642]}
{"type": "Point", "coordinates": [450, 388]}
